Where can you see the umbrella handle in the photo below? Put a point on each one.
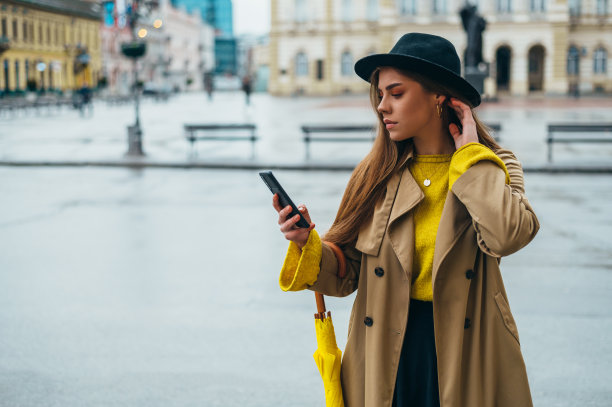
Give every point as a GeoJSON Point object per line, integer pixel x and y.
{"type": "Point", "coordinates": [320, 306]}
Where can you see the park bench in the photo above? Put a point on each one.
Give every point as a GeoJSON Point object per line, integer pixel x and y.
{"type": "Point", "coordinates": [578, 131]}
{"type": "Point", "coordinates": [192, 130]}
{"type": "Point", "coordinates": [326, 129]}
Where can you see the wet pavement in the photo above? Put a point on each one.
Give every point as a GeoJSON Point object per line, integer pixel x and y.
{"type": "Point", "coordinates": [159, 287]}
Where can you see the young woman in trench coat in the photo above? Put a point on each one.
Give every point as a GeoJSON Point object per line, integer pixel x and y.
{"type": "Point", "coordinates": [422, 226]}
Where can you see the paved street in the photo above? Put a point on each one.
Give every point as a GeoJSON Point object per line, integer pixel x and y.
{"type": "Point", "coordinates": [66, 137]}
{"type": "Point", "coordinates": [158, 287]}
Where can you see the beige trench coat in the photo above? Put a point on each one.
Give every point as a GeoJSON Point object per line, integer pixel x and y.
{"type": "Point", "coordinates": [477, 343]}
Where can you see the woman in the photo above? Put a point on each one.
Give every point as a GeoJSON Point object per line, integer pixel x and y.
{"type": "Point", "coordinates": [421, 228]}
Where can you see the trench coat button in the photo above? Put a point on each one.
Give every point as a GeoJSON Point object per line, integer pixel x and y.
{"type": "Point", "coordinates": [467, 323]}
{"type": "Point", "coordinates": [368, 321]}
{"type": "Point", "coordinates": [469, 274]}
{"type": "Point", "coordinates": [379, 271]}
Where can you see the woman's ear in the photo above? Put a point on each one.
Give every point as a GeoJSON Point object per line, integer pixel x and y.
{"type": "Point", "coordinates": [440, 99]}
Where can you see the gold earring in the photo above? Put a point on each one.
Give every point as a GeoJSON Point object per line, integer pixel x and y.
{"type": "Point", "coordinates": [439, 110]}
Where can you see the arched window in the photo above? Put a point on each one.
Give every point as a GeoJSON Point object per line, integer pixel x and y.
{"type": "Point", "coordinates": [347, 10]}
{"type": "Point", "coordinates": [301, 12]}
{"type": "Point", "coordinates": [600, 59]}
{"type": "Point", "coordinates": [439, 6]}
{"type": "Point", "coordinates": [408, 7]}
{"type": "Point", "coordinates": [538, 6]}
{"type": "Point", "coordinates": [372, 13]}
{"type": "Point", "coordinates": [602, 7]}
{"type": "Point", "coordinates": [574, 7]}
{"type": "Point", "coordinates": [504, 6]}
{"type": "Point", "coordinates": [573, 58]}
{"type": "Point", "coordinates": [301, 64]}
{"type": "Point", "coordinates": [346, 63]}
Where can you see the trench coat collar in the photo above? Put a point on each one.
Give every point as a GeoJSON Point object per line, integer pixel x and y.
{"type": "Point", "coordinates": [400, 197]}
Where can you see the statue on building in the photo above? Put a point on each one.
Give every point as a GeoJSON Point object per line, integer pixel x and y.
{"type": "Point", "coordinates": [475, 68]}
{"type": "Point", "coordinates": [474, 25]}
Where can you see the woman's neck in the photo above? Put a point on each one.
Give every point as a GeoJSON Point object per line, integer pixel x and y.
{"type": "Point", "coordinates": [434, 145]}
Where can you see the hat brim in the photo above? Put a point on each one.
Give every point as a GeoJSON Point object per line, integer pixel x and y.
{"type": "Point", "coordinates": [366, 65]}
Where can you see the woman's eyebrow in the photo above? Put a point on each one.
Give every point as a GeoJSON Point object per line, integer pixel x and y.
{"type": "Point", "coordinates": [391, 86]}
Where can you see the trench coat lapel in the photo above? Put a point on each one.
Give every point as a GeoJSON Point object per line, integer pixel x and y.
{"type": "Point", "coordinates": [454, 221]}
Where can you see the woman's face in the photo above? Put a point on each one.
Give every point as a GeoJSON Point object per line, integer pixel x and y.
{"type": "Point", "coordinates": [407, 109]}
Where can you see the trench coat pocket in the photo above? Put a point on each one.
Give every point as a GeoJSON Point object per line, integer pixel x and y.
{"type": "Point", "coordinates": [506, 315]}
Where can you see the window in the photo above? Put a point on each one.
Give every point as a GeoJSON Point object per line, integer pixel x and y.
{"type": "Point", "coordinates": [573, 58]}
{"type": "Point", "coordinates": [408, 7]}
{"type": "Point", "coordinates": [346, 64]}
{"type": "Point", "coordinates": [372, 13]}
{"type": "Point", "coordinates": [538, 6]}
{"type": "Point", "coordinates": [301, 64]}
{"type": "Point", "coordinates": [6, 75]}
{"type": "Point", "coordinates": [347, 10]}
{"type": "Point", "coordinates": [15, 29]}
{"type": "Point", "coordinates": [4, 29]}
{"type": "Point", "coordinates": [602, 7]}
{"type": "Point", "coordinates": [24, 29]}
{"type": "Point", "coordinates": [574, 7]}
{"type": "Point", "coordinates": [600, 58]}
{"type": "Point", "coordinates": [301, 13]}
{"type": "Point", "coordinates": [439, 6]}
{"type": "Point", "coordinates": [27, 70]}
{"type": "Point", "coordinates": [504, 6]}
{"type": "Point", "coordinates": [17, 83]}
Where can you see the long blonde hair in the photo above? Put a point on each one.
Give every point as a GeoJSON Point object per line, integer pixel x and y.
{"type": "Point", "coordinates": [368, 180]}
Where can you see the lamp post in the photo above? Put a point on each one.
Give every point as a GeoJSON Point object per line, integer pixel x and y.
{"type": "Point", "coordinates": [134, 50]}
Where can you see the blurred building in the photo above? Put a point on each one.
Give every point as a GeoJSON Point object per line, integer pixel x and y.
{"type": "Point", "coordinates": [190, 46]}
{"type": "Point", "coordinates": [180, 47]}
{"type": "Point", "coordinates": [219, 14]}
{"type": "Point", "coordinates": [533, 46]}
{"type": "Point", "coordinates": [116, 68]}
{"type": "Point", "coordinates": [254, 60]}
{"type": "Point", "coordinates": [49, 44]}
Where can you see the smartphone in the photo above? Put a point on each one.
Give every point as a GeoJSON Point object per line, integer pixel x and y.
{"type": "Point", "coordinates": [283, 199]}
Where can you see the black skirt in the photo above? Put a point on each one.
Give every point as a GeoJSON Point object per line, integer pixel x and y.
{"type": "Point", "coordinates": [417, 375]}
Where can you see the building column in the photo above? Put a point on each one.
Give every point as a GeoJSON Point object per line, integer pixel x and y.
{"type": "Point", "coordinates": [557, 83]}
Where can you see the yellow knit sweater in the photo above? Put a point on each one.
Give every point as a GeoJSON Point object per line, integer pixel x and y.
{"type": "Point", "coordinates": [301, 268]}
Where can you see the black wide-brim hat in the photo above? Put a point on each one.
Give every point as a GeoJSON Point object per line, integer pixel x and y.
{"type": "Point", "coordinates": [426, 54]}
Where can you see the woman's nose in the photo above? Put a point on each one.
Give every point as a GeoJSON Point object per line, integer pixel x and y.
{"type": "Point", "coordinates": [382, 106]}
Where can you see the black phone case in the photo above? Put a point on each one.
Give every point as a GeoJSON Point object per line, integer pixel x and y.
{"type": "Point", "coordinates": [275, 187]}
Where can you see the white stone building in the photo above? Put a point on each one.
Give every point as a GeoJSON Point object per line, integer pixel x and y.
{"type": "Point", "coordinates": [189, 47]}
{"type": "Point", "coordinates": [533, 46]}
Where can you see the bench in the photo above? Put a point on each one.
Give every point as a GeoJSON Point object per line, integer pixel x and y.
{"type": "Point", "coordinates": [578, 129]}
{"type": "Point", "coordinates": [308, 130]}
{"type": "Point", "coordinates": [191, 131]}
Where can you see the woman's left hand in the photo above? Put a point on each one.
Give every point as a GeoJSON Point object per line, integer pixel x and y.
{"type": "Point", "coordinates": [464, 113]}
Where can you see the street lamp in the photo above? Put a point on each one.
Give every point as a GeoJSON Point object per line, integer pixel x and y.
{"type": "Point", "coordinates": [134, 50]}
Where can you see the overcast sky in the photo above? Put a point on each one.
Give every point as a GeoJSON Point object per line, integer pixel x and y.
{"type": "Point", "coordinates": [251, 16]}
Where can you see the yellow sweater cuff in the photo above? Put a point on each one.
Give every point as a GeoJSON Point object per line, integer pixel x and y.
{"type": "Point", "coordinates": [301, 267]}
{"type": "Point", "coordinates": [467, 156]}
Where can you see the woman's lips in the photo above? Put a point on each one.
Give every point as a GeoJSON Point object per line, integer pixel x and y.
{"type": "Point", "coordinates": [389, 124]}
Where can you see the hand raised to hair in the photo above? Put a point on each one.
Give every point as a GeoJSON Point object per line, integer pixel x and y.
{"type": "Point", "coordinates": [464, 113]}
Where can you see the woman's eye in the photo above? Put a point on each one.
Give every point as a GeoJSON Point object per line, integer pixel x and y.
{"type": "Point", "coordinates": [397, 95]}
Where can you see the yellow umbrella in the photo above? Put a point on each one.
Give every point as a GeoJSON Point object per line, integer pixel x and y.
{"type": "Point", "coordinates": [328, 356]}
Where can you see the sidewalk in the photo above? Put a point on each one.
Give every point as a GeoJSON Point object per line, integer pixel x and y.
{"type": "Point", "coordinates": [66, 139]}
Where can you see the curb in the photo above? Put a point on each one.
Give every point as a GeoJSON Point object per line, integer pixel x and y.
{"type": "Point", "coordinates": [321, 166]}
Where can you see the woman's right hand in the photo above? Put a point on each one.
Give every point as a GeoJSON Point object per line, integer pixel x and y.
{"type": "Point", "coordinates": [288, 227]}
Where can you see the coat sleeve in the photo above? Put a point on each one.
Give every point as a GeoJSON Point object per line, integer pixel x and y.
{"type": "Point", "coordinates": [501, 214]}
{"type": "Point", "coordinates": [316, 267]}
{"type": "Point", "coordinates": [328, 281]}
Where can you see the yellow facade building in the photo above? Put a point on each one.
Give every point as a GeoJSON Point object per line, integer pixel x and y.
{"type": "Point", "coordinates": [49, 45]}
